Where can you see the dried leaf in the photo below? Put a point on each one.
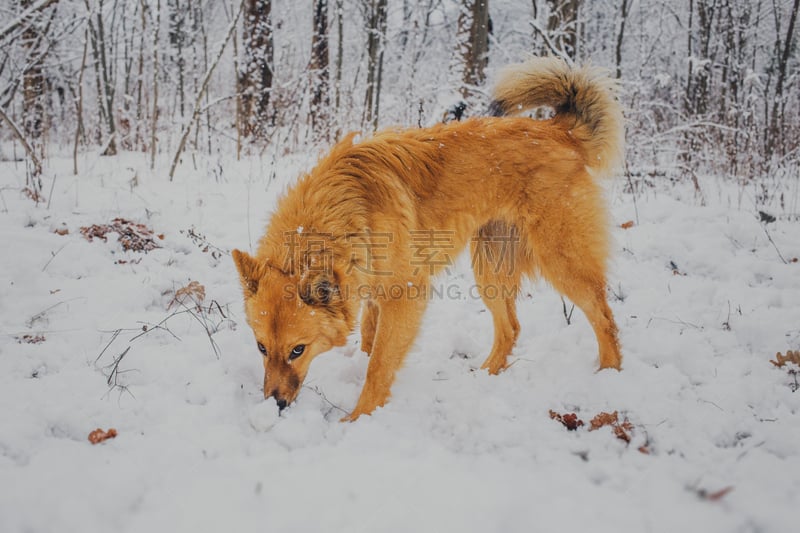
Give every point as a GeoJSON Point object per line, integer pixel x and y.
{"type": "Point", "coordinates": [621, 429]}
{"type": "Point", "coordinates": [569, 420]}
{"type": "Point", "coordinates": [790, 357]}
{"type": "Point", "coordinates": [98, 435]}
{"type": "Point", "coordinates": [30, 339]}
{"type": "Point", "coordinates": [713, 496]}
{"type": "Point", "coordinates": [194, 292]}
{"type": "Point", "coordinates": [133, 236]}
{"type": "Point", "coordinates": [627, 225]}
{"type": "Point", "coordinates": [61, 231]}
{"type": "Point", "coordinates": [603, 419]}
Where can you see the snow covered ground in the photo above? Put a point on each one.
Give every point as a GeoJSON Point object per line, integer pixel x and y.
{"type": "Point", "coordinates": [701, 295]}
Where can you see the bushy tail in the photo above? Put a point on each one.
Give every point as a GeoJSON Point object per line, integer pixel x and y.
{"type": "Point", "coordinates": [585, 93]}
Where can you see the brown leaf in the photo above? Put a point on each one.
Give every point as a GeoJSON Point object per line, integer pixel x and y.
{"type": "Point", "coordinates": [569, 420]}
{"type": "Point", "coordinates": [603, 419]}
{"type": "Point", "coordinates": [30, 339]}
{"type": "Point", "coordinates": [98, 435]}
{"type": "Point", "coordinates": [790, 357]}
{"type": "Point", "coordinates": [194, 292]}
{"type": "Point", "coordinates": [133, 236]}
{"type": "Point", "coordinates": [621, 429]}
{"type": "Point", "coordinates": [627, 225]}
{"type": "Point", "coordinates": [61, 231]}
{"type": "Point", "coordinates": [715, 496]}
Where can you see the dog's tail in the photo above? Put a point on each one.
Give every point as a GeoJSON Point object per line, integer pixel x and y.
{"type": "Point", "coordinates": [584, 94]}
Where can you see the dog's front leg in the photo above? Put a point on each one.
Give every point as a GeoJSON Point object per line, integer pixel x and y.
{"type": "Point", "coordinates": [398, 322]}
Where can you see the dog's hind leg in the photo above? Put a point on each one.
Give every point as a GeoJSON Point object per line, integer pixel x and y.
{"type": "Point", "coordinates": [398, 323]}
{"type": "Point", "coordinates": [369, 322]}
{"type": "Point", "coordinates": [589, 294]}
{"type": "Point", "coordinates": [495, 262]}
{"type": "Point", "coordinates": [574, 264]}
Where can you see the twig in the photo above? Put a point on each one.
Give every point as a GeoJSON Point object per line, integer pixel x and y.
{"type": "Point", "coordinates": [37, 165]}
{"type": "Point", "coordinates": [766, 231]}
{"type": "Point", "coordinates": [112, 379]}
{"type": "Point", "coordinates": [550, 44]}
{"type": "Point", "coordinates": [203, 323]}
{"type": "Point", "coordinates": [41, 314]}
{"type": "Point", "coordinates": [633, 192]}
{"type": "Point", "coordinates": [11, 26]}
{"type": "Point", "coordinates": [567, 316]}
{"type": "Point", "coordinates": [147, 328]}
{"type": "Point", "coordinates": [678, 321]}
{"type": "Point", "coordinates": [53, 256]}
{"type": "Point", "coordinates": [113, 338]}
{"type": "Point", "coordinates": [322, 395]}
{"type": "Point", "coordinates": [52, 186]}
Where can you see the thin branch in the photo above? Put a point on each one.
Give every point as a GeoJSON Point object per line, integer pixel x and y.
{"type": "Point", "coordinates": [37, 165]}
{"type": "Point", "coordinates": [553, 49]}
{"type": "Point", "coordinates": [25, 15]}
{"type": "Point", "coordinates": [769, 237]}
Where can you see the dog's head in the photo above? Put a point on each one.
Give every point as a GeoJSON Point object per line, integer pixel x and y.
{"type": "Point", "coordinates": [295, 317]}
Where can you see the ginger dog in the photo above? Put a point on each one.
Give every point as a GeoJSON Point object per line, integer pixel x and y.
{"type": "Point", "coordinates": [366, 229]}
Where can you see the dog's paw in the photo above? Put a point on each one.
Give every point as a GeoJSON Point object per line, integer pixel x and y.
{"type": "Point", "coordinates": [352, 417]}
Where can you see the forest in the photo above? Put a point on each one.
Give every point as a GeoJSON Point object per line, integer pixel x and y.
{"type": "Point", "coordinates": [709, 86]}
{"type": "Point", "coordinates": [142, 141]}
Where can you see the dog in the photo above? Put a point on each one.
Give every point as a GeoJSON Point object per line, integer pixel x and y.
{"type": "Point", "coordinates": [368, 228]}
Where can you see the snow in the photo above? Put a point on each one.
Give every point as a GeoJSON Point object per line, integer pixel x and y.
{"type": "Point", "coordinates": [703, 301]}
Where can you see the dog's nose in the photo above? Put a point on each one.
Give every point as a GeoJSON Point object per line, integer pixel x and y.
{"type": "Point", "coordinates": [281, 404]}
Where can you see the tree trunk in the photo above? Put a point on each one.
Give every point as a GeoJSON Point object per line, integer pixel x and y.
{"type": "Point", "coordinates": [104, 76]}
{"type": "Point", "coordinates": [154, 117]}
{"type": "Point", "coordinates": [32, 86]}
{"type": "Point", "coordinates": [79, 106]}
{"type": "Point", "coordinates": [319, 71]}
{"type": "Point", "coordinates": [376, 34]}
{"type": "Point", "coordinates": [256, 76]}
{"type": "Point", "coordinates": [474, 27]}
{"type": "Point", "coordinates": [196, 108]}
{"type": "Point", "coordinates": [339, 52]}
{"type": "Point", "coordinates": [776, 138]}
{"type": "Point", "coordinates": [177, 40]}
{"type": "Point", "coordinates": [620, 35]}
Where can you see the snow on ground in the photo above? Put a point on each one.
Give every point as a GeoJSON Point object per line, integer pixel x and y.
{"type": "Point", "coordinates": [701, 296]}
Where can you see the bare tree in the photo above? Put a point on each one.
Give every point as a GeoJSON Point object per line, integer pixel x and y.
{"type": "Point", "coordinates": [319, 71]}
{"type": "Point", "coordinates": [775, 138]}
{"type": "Point", "coordinates": [102, 56]}
{"type": "Point", "coordinates": [474, 27]}
{"type": "Point", "coordinates": [154, 114]}
{"type": "Point", "coordinates": [34, 42]}
{"type": "Point", "coordinates": [376, 15]}
{"type": "Point", "coordinates": [623, 19]}
{"type": "Point", "coordinates": [196, 108]}
{"type": "Point", "coordinates": [176, 33]}
{"type": "Point", "coordinates": [255, 78]}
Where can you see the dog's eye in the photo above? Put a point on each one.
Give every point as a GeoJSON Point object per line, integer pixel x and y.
{"type": "Point", "coordinates": [297, 351]}
{"type": "Point", "coordinates": [262, 349]}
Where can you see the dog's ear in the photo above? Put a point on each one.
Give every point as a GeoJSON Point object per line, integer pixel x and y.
{"type": "Point", "coordinates": [249, 272]}
{"type": "Point", "coordinates": [319, 288]}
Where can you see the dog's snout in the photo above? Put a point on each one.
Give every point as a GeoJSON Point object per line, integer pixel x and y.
{"type": "Point", "coordinates": [281, 404]}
